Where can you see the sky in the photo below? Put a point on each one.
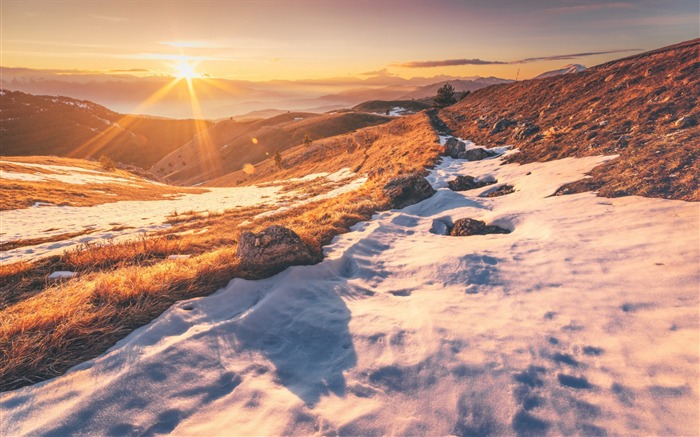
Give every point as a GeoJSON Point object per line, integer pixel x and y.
{"type": "Point", "coordinates": [313, 39]}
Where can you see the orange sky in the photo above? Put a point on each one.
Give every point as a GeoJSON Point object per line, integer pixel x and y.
{"type": "Point", "coordinates": [262, 40]}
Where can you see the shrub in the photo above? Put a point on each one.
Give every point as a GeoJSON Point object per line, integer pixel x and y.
{"type": "Point", "coordinates": [107, 163]}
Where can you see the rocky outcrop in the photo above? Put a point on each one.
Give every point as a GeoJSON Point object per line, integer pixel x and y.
{"type": "Point", "coordinates": [466, 227]}
{"type": "Point", "coordinates": [273, 250]}
{"type": "Point", "coordinates": [464, 183]}
{"type": "Point", "coordinates": [406, 190]}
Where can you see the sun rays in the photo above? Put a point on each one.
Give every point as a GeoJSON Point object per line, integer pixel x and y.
{"type": "Point", "coordinates": [182, 71]}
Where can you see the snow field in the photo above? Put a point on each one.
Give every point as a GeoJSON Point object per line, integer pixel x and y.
{"type": "Point", "coordinates": [583, 320]}
{"type": "Point", "coordinates": [123, 220]}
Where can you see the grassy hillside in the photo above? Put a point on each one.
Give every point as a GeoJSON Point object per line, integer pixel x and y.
{"type": "Point", "coordinates": [229, 145]}
{"type": "Point", "coordinates": [123, 286]}
{"type": "Point", "coordinates": [61, 126]}
{"type": "Point", "coordinates": [643, 108]}
{"type": "Point", "coordinates": [382, 106]}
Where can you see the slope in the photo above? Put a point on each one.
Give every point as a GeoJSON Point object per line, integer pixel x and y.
{"type": "Point", "coordinates": [229, 145]}
{"type": "Point", "coordinates": [50, 125]}
{"type": "Point", "coordinates": [403, 330]}
{"type": "Point", "coordinates": [643, 108]}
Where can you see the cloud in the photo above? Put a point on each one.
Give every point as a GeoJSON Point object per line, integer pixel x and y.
{"type": "Point", "coordinates": [382, 72]}
{"type": "Point", "coordinates": [131, 70]}
{"type": "Point", "coordinates": [571, 56]}
{"type": "Point", "coordinates": [195, 44]}
{"type": "Point", "coordinates": [456, 62]}
{"type": "Point", "coordinates": [589, 7]}
{"type": "Point", "coordinates": [446, 63]}
{"type": "Point", "coordinates": [108, 18]}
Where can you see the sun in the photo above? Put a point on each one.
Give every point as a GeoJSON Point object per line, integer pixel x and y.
{"type": "Point", "coordinates": [185, 70]}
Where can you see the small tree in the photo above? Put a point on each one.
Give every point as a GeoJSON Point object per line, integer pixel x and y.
{"type": "Point", "coordinates": [307, 140]}
{"type": "Point", "coordinates": [107, 163]}
{"type": "Point", "coordinates": [278, 160]}
{"type": "Point", "coordinates": [445, 96]}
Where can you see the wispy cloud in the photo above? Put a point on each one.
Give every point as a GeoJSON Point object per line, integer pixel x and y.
{"type": "Point", "coordinates": [168, 57]}
{"type": "Point", "coordinates": [446, 63]}
{"type": "Point", "coordinates": [108, 18]}
{"type": "Point", "coordinates": [571, 56]}
{"type": "Point", "coordinates": [456, 62]}
{"type": "Point", "coordinates": [130, 70]}
{"type": "Point", "coordinates": [382, 72]}
{"type": "Point", "coordinates": [589, 7]}
{"type": "Point", "coordinates": [197, 44]}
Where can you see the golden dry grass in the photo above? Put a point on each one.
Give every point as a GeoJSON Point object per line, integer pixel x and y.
{"type": "Point", "coordinates": [17, 194]}
{"type": "Point", "coordinates": [46, 328]}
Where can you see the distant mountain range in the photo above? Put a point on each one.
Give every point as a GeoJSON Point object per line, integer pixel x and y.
{"type": "Point", "coordinates": [223, 98]}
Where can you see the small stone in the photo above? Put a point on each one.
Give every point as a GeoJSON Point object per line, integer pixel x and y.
{"type": "Point", "coordinates": [685, 122]}
{"type": "Point", "coordinates": [464, 183]}
{"type": "Point", "coordinates": [501, 125]}
{"type": "Point", "coordinates": [477, 154]}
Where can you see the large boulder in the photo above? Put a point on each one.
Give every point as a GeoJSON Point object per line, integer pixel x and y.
{"type": "Point", "coordinates": [464, 183]}
{"type": "Point", "coordinates": [466, 227]}
{"type": "Point", "coordinates": [453, 147]}
{"type": "Point", "coordinates": [406, 190]}
{"type": "Point", "coordinates": [273, 250]}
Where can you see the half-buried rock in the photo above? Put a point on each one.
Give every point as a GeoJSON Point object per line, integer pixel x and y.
{"type": "Point", "coordinates": [273, 250]}
{"type": "Point", "coordinates": [477, 154]}
{"type": "Point", "coordinates": [406, 190]}
{"type": "Point", "coordinates": [453, 147]}
{"type": "Point", "coordinates": [464, 183]}
{"type": "Point", "coordinates": [466, 227]}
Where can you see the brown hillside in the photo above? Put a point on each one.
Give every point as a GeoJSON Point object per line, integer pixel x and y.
{"type": "Point", "coordinates": [229, 145]}
{"type": "Point", "coordinates": [125, 285]}
{"type": "Point", "coordinates": [61, 126]}
{"type": "Point", "coordinates": [643, 108]}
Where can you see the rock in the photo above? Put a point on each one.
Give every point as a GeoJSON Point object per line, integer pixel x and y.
{"type": "Point", "coordinates": [273, 250]}
{"type": "Point", "coordinates": [464, 183]}
{"type": "Point", "coordinates": [406, 190]}
{"type": "Point", "coordinates": [500, 191]}
{"type": "Point", "coordinates": [525, 131]}
{"type": "Point", "coordinates": [466, 227]}
{"type": "Point", "coordinates": [476, 154]}
{"type": "Point", "coordinates": [622, 142]}
{"type": "Point", "coordinates": [454, 147]}
{"type": "Point", "coordinates": [501, 125]}
{"type": "Point", "coordinates": [685, 122]}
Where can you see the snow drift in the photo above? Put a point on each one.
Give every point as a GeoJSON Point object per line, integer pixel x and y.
{"type": "Point", "coordinates": [582, 320]}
